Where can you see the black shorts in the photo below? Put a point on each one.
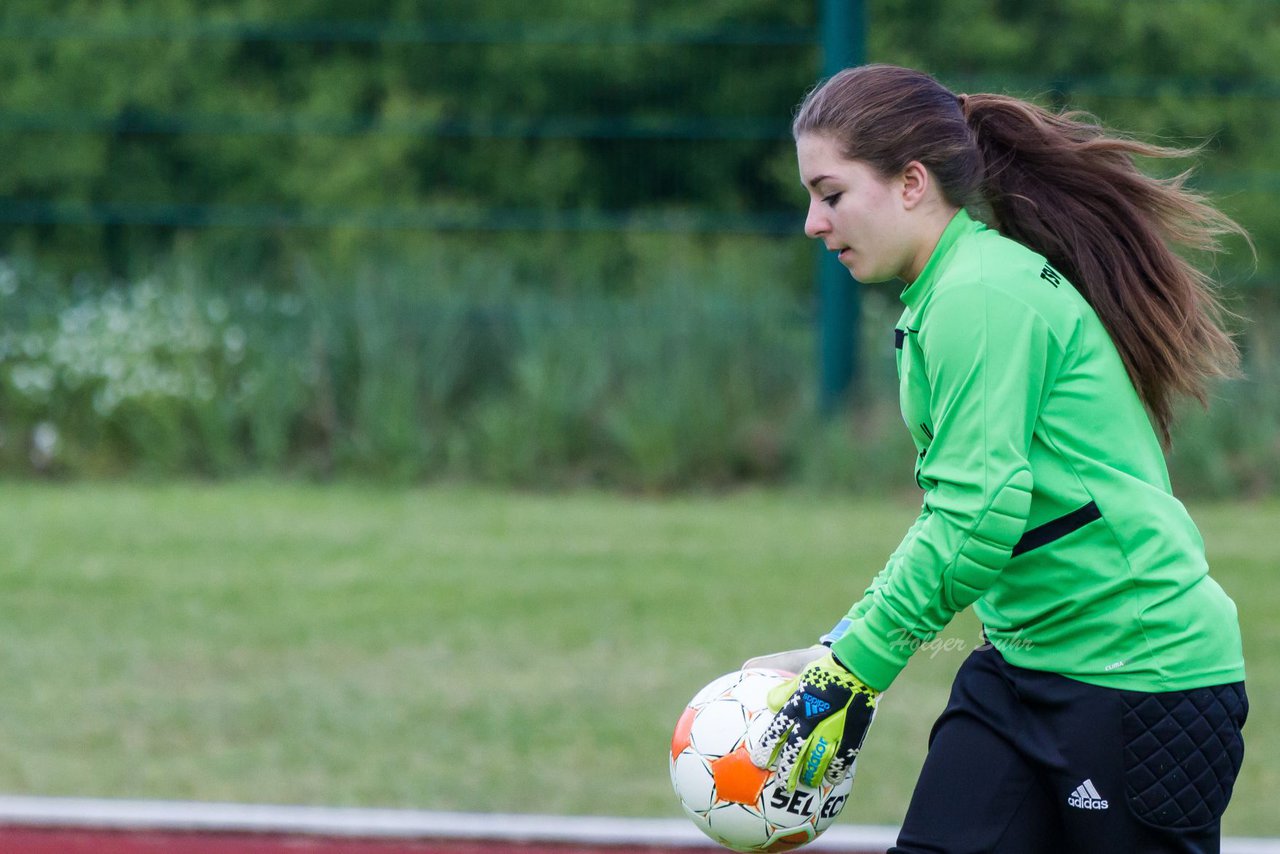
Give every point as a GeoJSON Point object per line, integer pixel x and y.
{"type": "Point", "coordinates": [1027, 762]}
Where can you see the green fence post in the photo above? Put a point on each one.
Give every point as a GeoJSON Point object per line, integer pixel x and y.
{"type": "Point", "coordinates": [844, 43]}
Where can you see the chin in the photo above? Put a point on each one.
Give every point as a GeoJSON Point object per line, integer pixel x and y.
{"type": "Point", "coordinates": [871, 278]}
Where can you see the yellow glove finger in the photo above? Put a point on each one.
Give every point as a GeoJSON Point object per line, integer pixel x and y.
{"type": "Point", "coordinates": [779, 694]}
{"type": "Point", "coordinates": [816, 755]}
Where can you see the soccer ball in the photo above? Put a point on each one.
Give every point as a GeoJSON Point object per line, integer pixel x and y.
{"type": "Point", "coordinates": [735, 803]}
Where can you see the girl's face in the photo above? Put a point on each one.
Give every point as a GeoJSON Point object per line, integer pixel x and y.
{"type": "Point", "coordinates": [858, 213]}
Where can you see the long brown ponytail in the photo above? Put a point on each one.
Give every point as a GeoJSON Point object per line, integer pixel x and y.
{"type": "Point", "coordinates": [1062, 185]}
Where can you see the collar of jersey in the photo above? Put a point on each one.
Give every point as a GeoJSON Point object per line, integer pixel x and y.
{"type": "Point", "coordinates": [961, 224]}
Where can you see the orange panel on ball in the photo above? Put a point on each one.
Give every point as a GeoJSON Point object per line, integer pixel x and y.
{"type": "Point", "coordinates": [680, 739]}
{"type": "Point", "coordinates": [786, 843]}
{"type": "Point", "coordinates": [737, 779]}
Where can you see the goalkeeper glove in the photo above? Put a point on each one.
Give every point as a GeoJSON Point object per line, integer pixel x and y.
{"type": "Point", "coordinates": [823, 716]}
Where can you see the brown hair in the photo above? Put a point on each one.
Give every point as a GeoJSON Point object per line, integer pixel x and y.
{"type": "Point", "coordinates": [1062, 185]}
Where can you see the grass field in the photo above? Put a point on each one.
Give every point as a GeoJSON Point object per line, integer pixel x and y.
{"type": "Point", "coordinates": [461, 649]}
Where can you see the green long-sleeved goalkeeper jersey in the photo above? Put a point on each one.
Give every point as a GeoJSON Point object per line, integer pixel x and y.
{"type": "Point", "coordinates": [1047, 501]}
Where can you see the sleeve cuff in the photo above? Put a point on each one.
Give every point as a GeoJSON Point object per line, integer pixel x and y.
{"type": "Point", "coordinates": [837, 632]}
{"type": "Point", "coordinates": [875, 658]}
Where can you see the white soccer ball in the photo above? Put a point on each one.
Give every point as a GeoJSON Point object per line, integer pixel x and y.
{"type": "Point", "coordinates": [738, 805]}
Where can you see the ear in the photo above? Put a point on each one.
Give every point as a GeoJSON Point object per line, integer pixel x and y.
{"type": "Point", "coordinates": [915, 184]}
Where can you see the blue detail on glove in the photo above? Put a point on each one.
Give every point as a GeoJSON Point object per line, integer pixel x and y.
{"type": "Point", "coordinates": [814, 706]}
{"type": "Point", "coordinates": [811, 775]}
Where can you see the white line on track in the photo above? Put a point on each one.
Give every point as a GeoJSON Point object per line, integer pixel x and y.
{"type": "Point", "coordinates": [139, 815]}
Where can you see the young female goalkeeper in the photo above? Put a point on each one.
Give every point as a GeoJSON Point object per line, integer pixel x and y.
{"type": "Point", "coordinates": [1049, 326]}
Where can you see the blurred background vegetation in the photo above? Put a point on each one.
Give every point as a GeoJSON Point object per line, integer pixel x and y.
{"type": "Point", "coordinates": [544, 245]}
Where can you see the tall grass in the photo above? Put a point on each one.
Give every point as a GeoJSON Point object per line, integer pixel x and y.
{"type": "Point", "coordinates": [447, 370]}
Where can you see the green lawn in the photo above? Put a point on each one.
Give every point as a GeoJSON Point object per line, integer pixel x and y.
{"type": "Point", "coordinates": [460, 649]}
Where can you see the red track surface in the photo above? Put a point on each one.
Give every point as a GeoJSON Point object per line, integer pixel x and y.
{"type": "Point", "coordinates": [21, 840]}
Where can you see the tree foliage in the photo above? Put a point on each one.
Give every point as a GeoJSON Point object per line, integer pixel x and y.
{"type": "Point", "coordinates": [479, 161]}
{"type": "Point", "coordinates": [126, 124]}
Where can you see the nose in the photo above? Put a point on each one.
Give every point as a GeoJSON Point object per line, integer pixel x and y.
{"type": "Point", "coordinates": [816, 223]}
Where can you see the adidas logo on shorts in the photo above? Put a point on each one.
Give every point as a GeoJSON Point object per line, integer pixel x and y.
{"type": "Point", "coordinates": [1086, 797]}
